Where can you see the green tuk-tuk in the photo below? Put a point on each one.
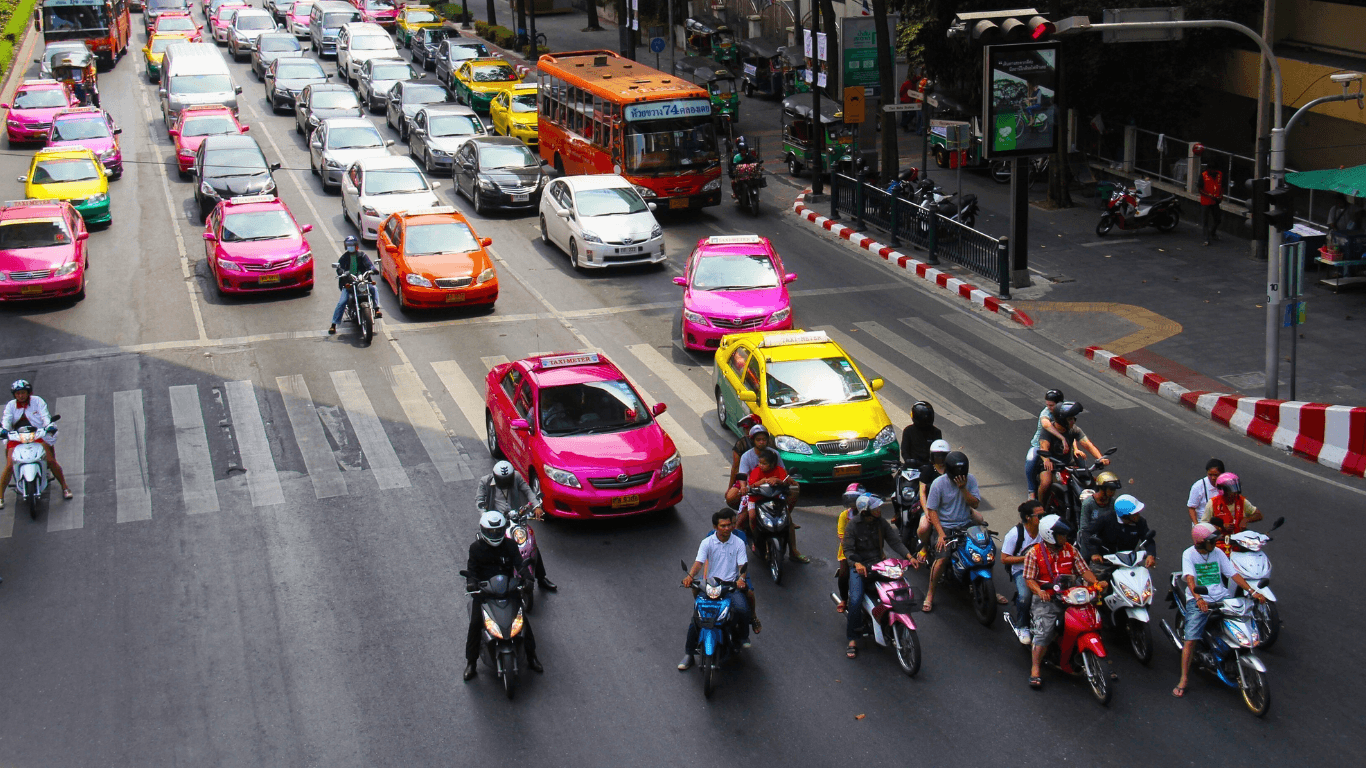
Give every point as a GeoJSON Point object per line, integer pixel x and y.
{"type": "Point", "coordinates": [761, 67]}
{"type": "Point", "coordinates": [794, 71]}
{"type": "Point", "coordinates": [708, 36]}
{"type": "Point", "coordinates": [799, 136]}
{"type": "Point", "coordinates": [719, 82]}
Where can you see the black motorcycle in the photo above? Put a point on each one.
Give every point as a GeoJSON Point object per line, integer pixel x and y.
{"type": "Point", "coordinates": [747, 179]}
{"type": "Point", "coordinates": [928, 196]}
{"type": "Point", "coordinates": [906, 511]}
{"type": "Point", "coordinates": [774, 522]}
{"type": "Point", "coordinates": [502, 647]}
{"type": "Point", "coordinates": [359, 308]}
{"type": "Point", "coordinates": [1125, 210]}
{"type": "Point", "coordinates": [1070, 480]}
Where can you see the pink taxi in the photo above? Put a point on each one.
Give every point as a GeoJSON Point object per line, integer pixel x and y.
{"type": "Point", "coordinates": [583, 437]}
{"type": "Point", "coordinates": [42, 250]}
{"type": "Point", "coordinates": [381, 12]}
{"type": "Point", "coordinates": [297, 21]}
{"type": "Point", "coordinates": [196, 123]}
{"type": "Point", "coordinates": [92, 128]}
{"type": "Point", "coordinates": [733, 284]}
{"type": "Point", "coordinates": [35, 102]}
{"type": "Point", "coordinates": [253, 244]}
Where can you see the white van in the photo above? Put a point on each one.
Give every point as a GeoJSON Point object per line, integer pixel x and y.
{"type": "Point", "coordinates": [194, 73]}
{"type": "Point", "coordinates": [325, 21]}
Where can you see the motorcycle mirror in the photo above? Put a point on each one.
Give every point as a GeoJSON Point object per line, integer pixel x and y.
{"type": "Point", "coordinates": [683, 565]}
{"type": "Point", "coordinates": [1279, 521]}
{"type": "Point", "coordinates": [56, 418]}
{"type": "Point", "coordinates": [466, 574]}
{"type": "Point", "coordinates": [1110, 452]}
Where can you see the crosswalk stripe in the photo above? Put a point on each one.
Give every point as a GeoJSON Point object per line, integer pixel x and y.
{"type": "Point", "coordinates": [1079, 382]}
{"type": "Point", "coordinates": [426, 420]}
{"type": "Point", "coordinates": [682, 386]}
{"type": "Point", "coordinates": [1018, 381]}
{"type": "Point", "coordinates": [379, 452]}
{"type": "Point", "coordinates": [319, 460]}
{"type": "Point", "coordinates": [197, 487]}
{"type": "Point", "coordinates": [493, 360]}
{"type": "Point", "coordinates": [932, 361]}
{"type": "Point", "coordinates": [130, 458]}
{"type": "Point", "coordinates": [904, 381]}
{"type": "Point", "coordinates": [70, 515]}
{"type": "Point", "coordinates": [263, 482]}
{"type": "Point", "coordinates": [466, 397]}
{"type": "Point", "coordinates": [682, 440]}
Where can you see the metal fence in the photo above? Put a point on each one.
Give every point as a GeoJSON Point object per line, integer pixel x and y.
{"type": "Point", "coordinates": [906, 222]}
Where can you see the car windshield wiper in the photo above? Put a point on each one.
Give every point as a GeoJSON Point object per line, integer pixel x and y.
{"type": "Point", "coordinates": [809, 401]}
{"type": "Point", "coordinates": [258, 237]}
{"type": "Point", "coordinates": [237, 175]}
{"type": "Point", "coordinates": [400, 191]}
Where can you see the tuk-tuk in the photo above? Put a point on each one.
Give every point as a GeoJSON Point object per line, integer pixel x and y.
{"type": "Point", "coordinates": [799, 135]}
{"type": "Point", "coordinates": [794, 71]}
{"type": "Point", "coordinates": [761, 67]}
{"type": "Point", "coordinates": [942, 135]}
{"type": "Point", "coordinates": [709, 36]}
{"type": "Point", "coordinates": [77, 69]}
{"type": "Point", "coordinates": [719, 82]}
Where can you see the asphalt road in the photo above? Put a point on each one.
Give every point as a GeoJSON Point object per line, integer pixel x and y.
{"type": "Point", "coordinates": [308, 612]}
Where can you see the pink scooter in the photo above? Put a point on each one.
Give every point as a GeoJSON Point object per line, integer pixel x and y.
{"type": "Point", "coordinates": [888, 619]}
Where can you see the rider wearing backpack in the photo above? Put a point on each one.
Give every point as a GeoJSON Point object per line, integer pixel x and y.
{"type": "Point", "coordinates": [1014, 547]}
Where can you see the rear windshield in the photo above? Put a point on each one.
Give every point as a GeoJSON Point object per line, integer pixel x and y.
{"type": "Point", "coordinates": [200, 84]}
{"type": "Point", "coordinates": [15, 235]}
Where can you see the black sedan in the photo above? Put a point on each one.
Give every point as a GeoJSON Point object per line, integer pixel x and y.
{"type": "Point", "coordinates": [318, 102]}
{"type": "Point", "coordinates": [230, 166]}
{"type": "Point", "coordinates": [425, 44]}
{"type": "Point", "coordinates": [287, 78]}
{"type": "Point", "coordinates": [271, 46]}
{"type": "Point", "coordinates": [498, 172]}
{"type": "Point", "coordinates": [406, 98]}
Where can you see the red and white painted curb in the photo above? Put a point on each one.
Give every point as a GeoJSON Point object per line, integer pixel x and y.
{"type": "Point", "coordinates": [939, 277]}
{"type": "Point", "coordinates": [1332, 435]}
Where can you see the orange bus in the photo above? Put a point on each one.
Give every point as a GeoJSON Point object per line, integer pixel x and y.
{"type": "Point", "coordinates": [603, 113]}
{"type": "Point", "coordinates": [104, 25]}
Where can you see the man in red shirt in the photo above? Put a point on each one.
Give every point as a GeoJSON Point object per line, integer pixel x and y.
{"type": "Point", "coordinates": [1052, 558]}
{"type": "Point", "coordinates": [907, 86]}
{"type": "Point", "coordinates": [1211, 195]}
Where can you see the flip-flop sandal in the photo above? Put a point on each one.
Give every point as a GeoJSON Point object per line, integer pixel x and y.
{"type": "Point", "coordinates": [1178, 692]}
{"type": "Point", "coordinates": [926, 607]}
{"type": "Point", "coordinates": [1002, 600]}
{"type": "Point", "coordinates": [802, 559]}
{"type": "Point", "coordinates": [756, 626]}
{"type": "Point", "coordinates": [1036, 683]}
{"type": "Point", "coordinates": [67, 495]}
{"type": "Point", "coordinates": [850, 652]}
{"type": "Point", "coordinates": [839, 608]}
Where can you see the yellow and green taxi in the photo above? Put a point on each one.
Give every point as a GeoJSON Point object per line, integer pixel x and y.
{"type": "Point", "coordinates": [826, 423]}
{"type": "Point", "coordinates": [155, 50]}
{"type": "Point", "coordinates": [477, 81]}
{"type": "Point", "coordinates": [411, 19]}
{"type": "Point", "coordinates": [513, 113]}
{"type": "Point", "coordinates": [73, 174]}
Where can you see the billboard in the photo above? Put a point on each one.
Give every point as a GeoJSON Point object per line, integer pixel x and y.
{"type": "Point", "coordinates": [1020, 99]}
{"type": "Point", "coordinates": [860, 51]}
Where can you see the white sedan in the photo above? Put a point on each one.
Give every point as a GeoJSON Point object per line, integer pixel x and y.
{"type": "Point", "coordinates": [375, 187]}
{"type": "Point", "coordinates": [600, 221]}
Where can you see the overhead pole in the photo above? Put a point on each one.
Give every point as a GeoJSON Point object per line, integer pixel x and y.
{"type": "Point", "coordinates": [1263, 141]}
{"type": "Point", "coordinates": [817, 128]}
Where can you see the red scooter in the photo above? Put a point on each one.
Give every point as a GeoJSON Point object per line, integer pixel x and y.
{"type": "Point", "coordinates": [1079, 651]}
{"type": "Point", "coordinates": [1126, 210]}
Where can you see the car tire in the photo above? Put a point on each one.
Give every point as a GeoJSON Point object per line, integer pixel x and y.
{"type": "Point", "coordinates": [402, 300]}
{"type": "Point", "coordinates": [721, 409]}
{"type": "Point", "coordinates": [545, 235]}
{"type": "Point", "coordinates": [574, 254]}
{"type": "Point", "coordinates": [479, 208]}
{"type": "Point", "coordinates": [298, 128]}
{"type": "Point", "coordinates": [491, 437]}
{"type": "Point", "coordinates": [427, 163]}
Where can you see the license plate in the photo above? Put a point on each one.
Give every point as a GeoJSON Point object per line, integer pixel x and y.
{"type": "Point", "coordinates": [31, 289]}
{"type": "Point", "coordinates": [631, 249]}
{"type": "Point", "coordinates": [845, 470]}
{"type": "Point", "coordinates": [269, 279]}
{"type": "Point", "coordinates": [454, 298]}
{"type": "Point", "coordinates": [678, 202]}
{"type": "Point", "coordinates": [628, 500]}
{"type": "Point", "coordinates": [522, 198]}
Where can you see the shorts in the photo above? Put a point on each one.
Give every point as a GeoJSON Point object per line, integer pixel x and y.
{"type": "Point", "coordinates": [934, 543]}
{"type": "Point", "coordinates": [1195, 621]}
{"type": "Point", "coordinates": [1045, 620]}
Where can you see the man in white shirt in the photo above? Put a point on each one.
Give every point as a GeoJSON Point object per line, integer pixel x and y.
{"type": "Point", "coordinates": [26, 410]}
{"type": "Point", "coordinates": [1203, 490]}
{"type": "Point", "coordinates": [722, 556]}
{"type": "Point", "coordinates": [1014, 548]}
{"type": "Point", "coordinates": [1204, 566]}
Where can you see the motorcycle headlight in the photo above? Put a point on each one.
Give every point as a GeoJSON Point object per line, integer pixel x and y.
{"type": "Point", "coordinates": [589, 237]}
{"type": "Point", "coordinates": [791, 445]}
{"type": "Point", "coordinates": [418, 280]}
{"type": "Point", "coordinates": [1128, 594]}
{"type": "Point", "coordinates": [658, 231]}
{"type": "Point", "coordinates": [886, 437]}
{"type": "Point", "coordinates": [1246, 639]}
{"type": "Point", "coordinates": [769, 520]}
{"type": "Point", "coordinates": [491, 626]}
{"type": "Point", "coordinates": [563, 477]}
{"type": "Point", "coordinates": [694, 318]}
{"type": "Point", "coordinates": [485, 276]}
{"type": "Point", "coordinates": [645, 192]}
{"type": "Point", "coordinates": [713, 591]}
{"type": "Point", "coordinates": [670, 465]}
{"type": "Point", "coordinates": [229, 266]}
{"type": "Point", "coordinates": [67, 268]}
{"type": "Point", "coordinates": [712, 185]}
{"type": "Point", "coordinates": [976, 557]}
{"type": "Point", "coordinates": [781, 315]}
{"type": "Point", "coordinates": [516, 625]}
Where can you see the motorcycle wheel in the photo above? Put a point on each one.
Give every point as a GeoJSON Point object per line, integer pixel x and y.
{"type": "Point", "coordinates": [1000, 172]}
{"type": "Point", "coordinates": [367, 324]}
{"type": "Point", "coordinates": [1168, 221]}
{"type": "Point", "coordinates": [775, 561]}
{"type": "Point", "coordinates": [509, 684]}
{"type": "Point", "coordinates": [753, 204]}
{"type": "Point", "coordinates": [970, 221]}
{"type": "Point", "coordinates": [907, 649]}
{"type": "Point", "coordinates": [1268, 618]}
{"type": "Point", "coordinates": [1106, 223]}
{"type": "Point", "coordinates": [1255, 690]}
{"type": "Point", "coordinates": [984, 602]}
{"type": "Point", "coordinates": [708, 675]}
{"type": "Point", "coordinates": [1140, 640]}
{"type": "Point", "coordinates": [1097, 677]}
{"type": "Point", "coordinates": [33, 499]}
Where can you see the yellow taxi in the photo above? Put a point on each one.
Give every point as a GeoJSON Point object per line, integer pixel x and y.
{"type": "Point", "coordinates": [411, 19]}
{"type": "Point", "coordinates": [826, 423]}
{"type": "Point", "coordinates": [513, 113]}
{"type": "Point", "coordinates": [73, 174]}
{"type": "Point", "coordinates": [477, 81]}
{"type": "Point", "coordinates": [155, 50]}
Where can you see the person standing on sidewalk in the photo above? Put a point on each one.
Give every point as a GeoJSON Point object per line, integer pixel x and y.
{"type": "Point", "coordinates": [907, 86]}
{"type": "Point", "coordinates": [921, 123]}
{"type": "Point", "coordinates": [1211, 195]}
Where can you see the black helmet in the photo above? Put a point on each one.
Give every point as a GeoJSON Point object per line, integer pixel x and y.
{"type": "Point", "coordinates": [1054, 396]}
{"type": "Point", "coordinates": [1070, 410]}
{"type": "Point", "coordinates": [351, 243]}
{"type": "Point", "coordinates": [922, 414]}
{"type": "Point", "coordinates": [502, 475]}
{"type": "Point", "coordinates": [740, 144]}
{"type": "Point", "coordinates": [956, 464]}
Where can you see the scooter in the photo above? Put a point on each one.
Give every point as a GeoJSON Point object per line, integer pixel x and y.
{"type": "Point", "coordinates": [358, 307]}
{"type": "Point", "coordinates": [502, 647]}
{"type": "Point", "coordinates": [905, 499]}
{"type": "Point", "coordinates": [972, 552]}
{"type": "Point", "coordinates": [963, 211]}
{"type": "Point", "coordinates": [1126, 211]}
{"type": "Point", "coordinates": [770, 505]}
{"type": "Point", "coordinates": [1126, 605]}
{"type": "Point", "coordinates": [888, 619]}
{"type": "Point", "coordinates": [519, 528]}
{"type": "Point", "coordinates": [1072, 486]}
{"type": "Point", "coordinates": [716, 639]}
{"type": "Point", "coordinates": [1227, 648]}
{"type": "Point", "coordinates": [1250, 559]}
{"type": "Point", "coordinates": [1079, 650]}
{"type": "Point", "coordinates": [29, 458]}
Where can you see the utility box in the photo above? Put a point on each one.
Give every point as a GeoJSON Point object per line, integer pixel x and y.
{"type": "Point", "coordinates": [1129, 15]}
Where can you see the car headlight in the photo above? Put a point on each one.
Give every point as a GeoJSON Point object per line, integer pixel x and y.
{"type": "Point", "coordinates": [670, 465]}
{"type": "Point", "coordinates": [230, 266]}
{"type": "Point", "coordinates": [269, 188]}
{"type": "Point", "coordinates": [589, 237]}
{"type": "Point", "coordinates": [108, 154]}
{"type": "Point", "coordinates": [303, 259]}
{"type": "Point", "coordinates": [886, 437]}
{"type": "Point", "coordinates": [366, 210]}
{"type": "Point", "coordinates": [96, 199]}
{"type": "Point", "coordinates": [783, 314]}
{"type": "Point", "coordinates": [439, 152]}
{"type": "Point", "coordinates": [658, 231]}
{"type": "Point", "coordinates": [67, 268]}
{"type": "Point", "coordinates": [645, 192]}
{"type": "Point", "coordinates": [330, 163]}
{"type": "Point", "coordinates": [694, 318]}
{"type": "Point", "coordinates": [712, 185]}
{"type": "Point", "coordinates": [485, 276]}
{"type": "Point", "coordinates": [205, 188]}
{"type": "Point", "coordinates": [561, 476]}
{"type": "Point", "coordinates": [791, 444]}
{"type": "Point", "coordinates": [487, 185]}
{"type": "Point", "coordinates": [313, 120]}
{"type": "Point", "coordinates": [418, 280]}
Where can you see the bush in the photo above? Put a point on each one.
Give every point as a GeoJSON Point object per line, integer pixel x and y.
{"type": "Point", "coordinates": [451, 11]}
{"type": "Point", "coordinates": [481, 28]}
{"type": "Point", "coordinates": [535, 55]}
{"type": "Point", "coordinates": [502, 37]}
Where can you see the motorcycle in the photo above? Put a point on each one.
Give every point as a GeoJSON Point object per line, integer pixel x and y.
{"type": "Point", "coordinates": [1038, 169]}
{"type": "Point", "coordinates": [972, 552]}
{"type": "Point", "coordinates": [770, 505]}
{"type": "Point", "coordinates": [1251, 561]}
{"type": "Point", "coordinates": [1126, 605]}
{"type": "Point", "coordinates": [716, 639]}
{"type": "Point", "coordinates": [747, 179]}
{"type": "Point", "coordinates": [29, 457]}
{"type": "Point", "coordinates": [1072, 486]}
{"type": "Point", "coordinates": [502, 647]}
{"type": "Point", "coordinates": [905, 500]}
{"type": "Point", "coordinates": [1126, 211]}
{"type": "Point", "coordinates": [1227, 647]}
{"type": "Point", "coordinates": [928, 196]}
{"type": "Point", "coordinates": [888, 619]}
{"type": "Point", "coordinates": [1079, 640]}
{"type": "Point", "coordinates": [358, 306]}
{"type": "Point", "coordinates": [519, 528]}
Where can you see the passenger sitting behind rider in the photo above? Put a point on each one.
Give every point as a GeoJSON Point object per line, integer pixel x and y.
{"type": "Point", "coordinates": [1073, 447]}
{"type": "Point", "coordinates": [743, 155]}
{"type": "Point", "coordinates": [1042, 569]}
{"type": "Point", "coordinates": [1124, 531]}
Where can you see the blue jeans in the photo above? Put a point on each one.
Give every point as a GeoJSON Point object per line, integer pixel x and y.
{"type": "Point", "coordinates": [1023, 598]}
{"type": "Point", "coordinates": [739, 622]}
{"type": "Point", "coordinates": [345, 297]}
{"type": "Point", "coordinates": [1033, 466]}
{"type": "Point", "coordinates": [853, 612]}
{"type": "Point", "coordinates": [1195, 620]}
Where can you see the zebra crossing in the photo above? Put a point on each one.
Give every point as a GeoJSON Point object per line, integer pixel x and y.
{"type": "Point", "coordinates": [970, 388]}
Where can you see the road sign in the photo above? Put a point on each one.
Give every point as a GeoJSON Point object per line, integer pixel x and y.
{"type": "Point", "coordinates": [901, 107]}
{"type": "Point", "coordinates": [932, 101]}
{"type": "Point", "coordinates": [657, 44]}
{"type": "Point", "coordinates": [1294, 314]}
{"type": "Point", "coordinates": [853, 104]}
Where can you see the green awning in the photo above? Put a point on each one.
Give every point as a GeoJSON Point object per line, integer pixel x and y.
{"type": "Point", "coordinates": [1348, 181]}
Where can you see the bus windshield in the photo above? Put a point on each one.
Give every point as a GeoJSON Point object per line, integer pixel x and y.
{"type": "Point", "coordinates": [674, 146]}
{"type": "Point", "coordinates": [76, 18]}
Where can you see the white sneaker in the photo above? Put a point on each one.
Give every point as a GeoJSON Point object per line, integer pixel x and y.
{"type": "Point", "coordinates": [1023, 634]}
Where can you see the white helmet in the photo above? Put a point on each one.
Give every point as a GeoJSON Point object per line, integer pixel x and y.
{"type": "Point", "coordinates": [940, 446]}
{"type": "Point", "coordinates": [493, 527]}
{"type": "Point", "coordinates": [502, 475]}
{"type": "Point", "coordinates": [1051, 526]}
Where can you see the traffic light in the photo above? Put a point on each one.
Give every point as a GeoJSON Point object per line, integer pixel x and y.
{"type": "Point", "coordinates": [1280, 211]}
{"type": "Point", "coordinates": [1257, 205]}
{"type": "Point", "coordinates": [1021, 25]}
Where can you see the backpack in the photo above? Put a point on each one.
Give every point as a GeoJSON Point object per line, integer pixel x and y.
{"type": "Point", "coordinates": [1019, 539]}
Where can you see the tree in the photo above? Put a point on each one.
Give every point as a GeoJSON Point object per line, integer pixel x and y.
{"type": "Point", "coordinates": [493, 14]}
{"type": "Point", "coordinates": [592, 6]}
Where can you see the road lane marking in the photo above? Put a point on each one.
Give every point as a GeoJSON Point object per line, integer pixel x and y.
{"type": "Point", "coordinates": [1021, 383]}
{"type": "Point", "coordinates": [902, 380]}
{"type": "Point", "coordinates": [466, 397]}
{"type": "Point", "coordinates": [427, 421]}
{"type": "Point", "coordinates": [493, 360]}
{"type": "Point", "coordinates": [319, 460]}
{"type": "Point", "coordinates": [682, 386]}
{"type": "Point", "coordinates": [130, 458]}
{"type": "Point", "coordinates": [69, 515]}
{"type": "Point", "coordinates": [197, 488]}
{"type": "Point", "coordinates": [374, 442]}
{"type": "Point", "coordinates": [263, 482]}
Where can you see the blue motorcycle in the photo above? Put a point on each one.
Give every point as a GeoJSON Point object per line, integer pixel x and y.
{"type": "Point", "coordinates": [716, 639]}
{"type": "Point", "coordinates": [1228, 647]}
{"type": "Point", "coordinates": [972, 553]}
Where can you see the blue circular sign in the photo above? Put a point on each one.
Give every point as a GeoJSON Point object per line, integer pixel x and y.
{"type": "Point", "coordinates": [657, 44]}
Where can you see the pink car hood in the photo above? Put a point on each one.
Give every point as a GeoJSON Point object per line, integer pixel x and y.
{"type": "Point", "coordinates": [633, 451]}
{"type": "Point", "coordinates": [94, 145]}
{"type": "Point", "coordinates": [28, 259]}
{"type": "Point", "coordinates": [30, 116]}
{"type": "Point", "coordinates": [736, 304]}
{"type": "Point", "coordinates": [263, 251]}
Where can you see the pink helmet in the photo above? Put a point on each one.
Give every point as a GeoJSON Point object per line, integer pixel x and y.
{"type": "Point", "coordinates": [1203, 532]}
{"type": "Point", "coordinates": [852, 493]}
{"type": "Point", "coordinates": [1228, 483]}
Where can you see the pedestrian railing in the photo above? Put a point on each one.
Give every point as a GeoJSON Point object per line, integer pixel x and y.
{"type": "Point", "coordinates": [905, 222]}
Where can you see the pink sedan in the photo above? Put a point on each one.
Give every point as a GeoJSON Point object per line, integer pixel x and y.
{"type": "Point", "coordinates": [734, 284]}
{"type": "Point", "coordinates": [253, 244]}
{"type": "Point", "coordinates": [92, 128]}
{"type": "Point", "coordinates": [42, 250]}
{"type": "Point", "coordinates": [35, 103]}
{"type": "Point", "coordinates": [583, 437]}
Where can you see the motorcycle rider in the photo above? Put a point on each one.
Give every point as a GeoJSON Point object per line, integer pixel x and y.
{"type": "Point", "coordinates": [761, 440]}
{"type": "Point", "coordinates": [1203, 565]}
{"type": "Point", "coordinates": [951, 505]}
{"type": "Point", "coordinates": [1230, 511]}
{"type": "Point", "coordinates": [28, 410]}
{"type": "Point", "coordinates": [354, 262]}
{"type": "Point", "coordinates": [1070, 444]}
{"type": "Point", "coordinates": [1204, 489]}
{"type": "Point", "coordinates": [1035, 462]}
{"type": "Point", "coordinates": [1123, 531]}
{"type": "Point", "coordinates": [768, 471]}
{"type": "Point", "coordinates": [743, 155]}
{"type": "Point", "coordinates": [919, 435]}
{"type": "Point", "coordinates": [1101, 503]}
{"type": "Point", "coordinates": [847, 514]}
{"type": "Point", "coordinates": [492, 554]}
{"type": "Point", "coordinates": [504, 490]}
{"type": "Point", "coordinates": [1042, 568]}
{"type": "Point", "coordinates": [1014, 549]}
{"type": "Point", "coordinates": [862, 543]}
{"type": "Point", "coordinates": [723, 556]}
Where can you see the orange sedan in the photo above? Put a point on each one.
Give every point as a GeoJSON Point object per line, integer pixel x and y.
{"type": "Point", "coordinates": [431, 258]}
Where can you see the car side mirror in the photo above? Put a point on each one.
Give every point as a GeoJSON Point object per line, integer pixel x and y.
{"type": "Point", "coordinates": [486, 241]}
{"type": "Point", "coordinates": [161, 92]}
{"type": "Point", "coordinates": [651, 206]}
{"type": "Point", "coordinates": [86, 236]}
{"type": "Point", "coordinates": [683, 281]}
{"type": "Point", "coordinates": [562, 213]}
{"type": "Point", "coordinates": [246, 128]}
{"type": "Point", "coordinates": [21, 179]}
{"type": "Point", "coordinates": [790, 277]}
{"type": "Point", "coordinates": [275, 166]}
{"type": "Point", "coordinates": [876, 384]}
{"type": "Point", "coordinates": [659, 408]}
{"type": "Point", "coordinates": [327, 75]}
{"type": "Point", "coordinates": [117, 131]}
{"type": "Point", "coordinates": [211, 237]}
{"type": "Point", "coordinates": [317, 142]}
{"type": "Point", "coordinates": [436, 185]}
{"type": "Point", "coordinates": [388, 142]}
{"type": "Point", "coordinates": [174, 132]}
{"type": "Point", "coordinates": [237, 89]}
{"type": "Point", "coordinates": [520, 425]}
{"type": "Point", "coordinates": [419, 131]}
{"type": "Point", "coordinates": [306, 228]}
{"type": "Point", "coordinates": [4, 106]}
{"type": "Point", "coordinates": [747, 396]}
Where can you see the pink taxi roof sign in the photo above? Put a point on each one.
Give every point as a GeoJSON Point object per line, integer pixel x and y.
{"type": "Point", "coordinates": [565, 361]}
